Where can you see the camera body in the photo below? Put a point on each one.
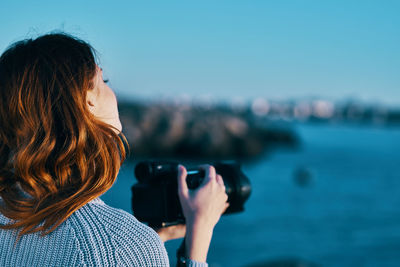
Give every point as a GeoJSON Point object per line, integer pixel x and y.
{"type": "Point", "coordinates": [155, 198]}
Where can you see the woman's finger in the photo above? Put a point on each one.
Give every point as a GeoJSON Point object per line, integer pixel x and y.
{"type": "Point", "coordinates": [225, 207]}
{"type": "Point", "coordinates": [182, 185]}
{"type": "Point", "coordinates": [209, 172]}
{"type": "Point", "coordinates": [220, 181]}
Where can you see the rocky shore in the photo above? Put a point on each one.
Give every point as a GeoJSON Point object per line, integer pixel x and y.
{"type": "Point", "coordinates": [166, 130]}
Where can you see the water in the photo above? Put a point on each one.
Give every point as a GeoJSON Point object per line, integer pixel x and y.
{"type": "Point", "coordinates": [347, 215]}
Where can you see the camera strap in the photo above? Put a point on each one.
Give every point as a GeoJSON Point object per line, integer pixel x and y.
{"type": "Point", "coordinates": [181, 254]}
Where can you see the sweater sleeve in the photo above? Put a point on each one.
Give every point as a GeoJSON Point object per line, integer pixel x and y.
{"type": "Point", "coordinates": [192, 263]}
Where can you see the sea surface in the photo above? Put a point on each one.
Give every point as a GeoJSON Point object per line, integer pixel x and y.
{"type": "Point", "coordinates": [334, 202]}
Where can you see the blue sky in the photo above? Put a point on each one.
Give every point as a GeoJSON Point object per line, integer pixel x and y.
{"type": "Point", "coordinates": [230, 49]}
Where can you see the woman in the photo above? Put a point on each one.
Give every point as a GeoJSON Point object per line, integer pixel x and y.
{"type": "Point", "coordinates": [60, 150]}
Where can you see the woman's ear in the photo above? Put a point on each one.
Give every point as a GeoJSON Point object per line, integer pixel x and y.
{"type": "Point", "coordinates": [91, 99]}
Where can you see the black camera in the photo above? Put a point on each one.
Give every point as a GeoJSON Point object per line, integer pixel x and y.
{"type": "Point", "coordinates": [155, 198]}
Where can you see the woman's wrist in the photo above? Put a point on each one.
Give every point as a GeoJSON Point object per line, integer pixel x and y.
{"type": "Point", "coordinates": [198, 239]}
{"type": "Point", "coordinates": [203, 222]}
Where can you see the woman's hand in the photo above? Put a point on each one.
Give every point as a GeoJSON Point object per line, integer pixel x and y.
{"type": "Point", "coordinates": [171, 232]}
{"type": "Point", "coordinates": [202, 209]}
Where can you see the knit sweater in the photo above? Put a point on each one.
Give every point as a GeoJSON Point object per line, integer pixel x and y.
{"type": "Point", "coordinates": [94, 235]}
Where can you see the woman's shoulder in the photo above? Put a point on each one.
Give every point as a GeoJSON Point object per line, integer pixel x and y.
{"type": "Point", "coordinates": [104, 217]}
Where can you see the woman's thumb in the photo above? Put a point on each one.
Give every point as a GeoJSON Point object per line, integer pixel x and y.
{"type": "Point", "coordinates": [182, 185]}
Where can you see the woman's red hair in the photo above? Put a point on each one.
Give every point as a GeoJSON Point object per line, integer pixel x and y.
{"type": "Point", "coordinates": [55, 156]}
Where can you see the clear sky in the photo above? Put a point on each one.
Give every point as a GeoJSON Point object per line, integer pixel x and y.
{"type": "Point", "coordinates": [229, 49]}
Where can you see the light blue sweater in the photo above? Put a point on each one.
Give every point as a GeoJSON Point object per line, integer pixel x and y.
{"type": "Point", "coordinates": [94, 235]}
